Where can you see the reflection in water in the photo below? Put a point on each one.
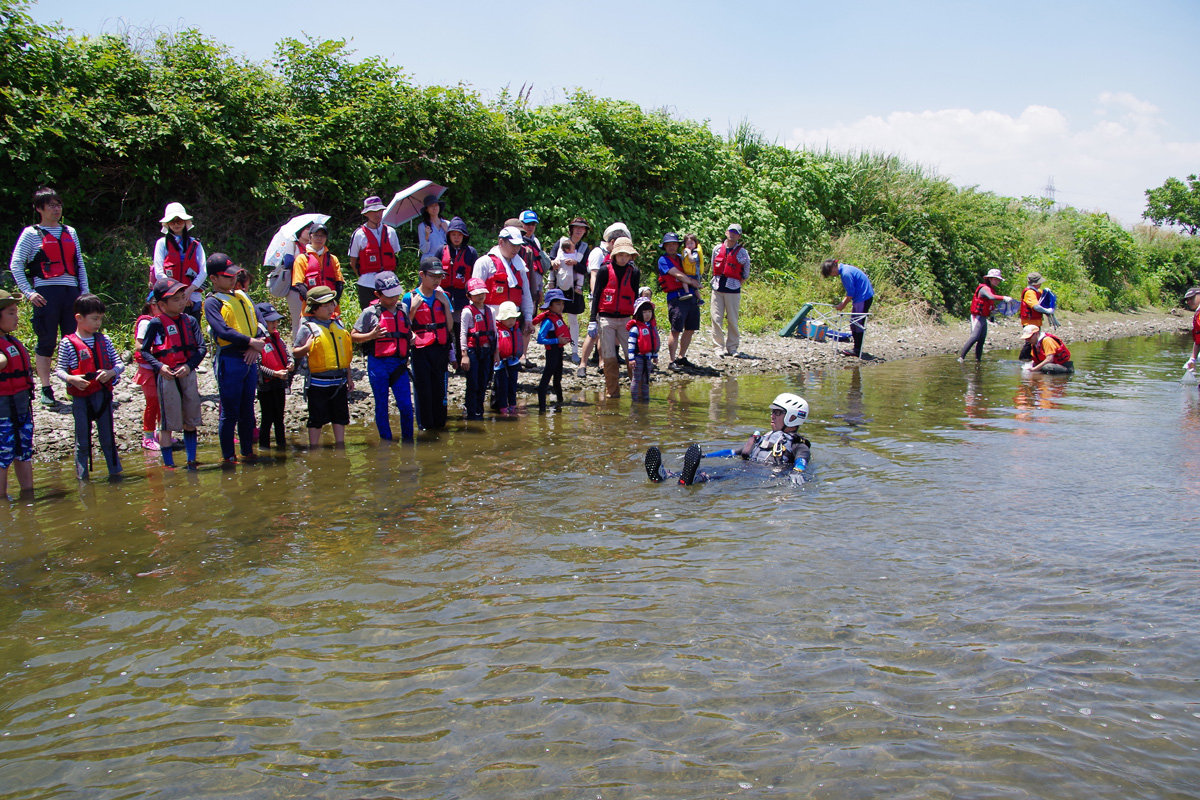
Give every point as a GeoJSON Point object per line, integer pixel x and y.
{"type": "Point", "coordinates": [513, 610]}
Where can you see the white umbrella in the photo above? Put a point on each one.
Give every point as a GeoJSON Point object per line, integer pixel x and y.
{"type": "Point", "coordinates": [408, 204]}
{"type": "Point", "coordinates": [284, 241]}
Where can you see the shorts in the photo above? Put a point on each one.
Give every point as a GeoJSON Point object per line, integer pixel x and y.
{"type": "Point", "coordinates": [57, 315]}
{"type": "Point", "coordinates": [684, 316]}
{"type": "Point", "coordinates": [328, 404]}
{"type": "Point", "coordinates": [16, 429]}
{"type": "Point", "coordinates": [179, 402]}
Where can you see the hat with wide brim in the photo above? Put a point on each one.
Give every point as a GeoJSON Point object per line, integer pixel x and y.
{"type": "Point", "coordinates": [8, 298]}
{"type": "Point", "coordinates": [1029, 331]}
{"type": "Point", "coordinates": [321, 295]}
{"type": "Point", "coordinates": [551, 296]}
{"type": "Point", "coordinates": [994, 273]}
{"type": "Point", "coordinates": [1035, 279]}
{"type": "Point", "coordinates": [175, 211]}
{"type": "Point", "coordinates": [508, 310]}
{"type": "Point", "coordinates": [623, 245]}
{"type": "Point", "coordinates": [617, 230]}
{"type": "Point", "coordinates": [579, 222]}
{"type": "Point", "coordinates": [373, 203]}
{"type": "Point", "coordinates": [1190, 293]}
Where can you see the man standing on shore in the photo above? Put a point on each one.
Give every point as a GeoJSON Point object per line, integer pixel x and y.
{"type": "Point", "coordinates": [859, 291]}
{"type": "Point", "coordinates": [731, 268]}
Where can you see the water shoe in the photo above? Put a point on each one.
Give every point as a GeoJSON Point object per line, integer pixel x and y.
{"type": "Point", "coordinates": [654, 470]}
{"type": "Point", "coordinates": [691, 463]}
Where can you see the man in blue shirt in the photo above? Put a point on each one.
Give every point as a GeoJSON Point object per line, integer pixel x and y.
{"type": "Point", "coordinates": [859, 292]}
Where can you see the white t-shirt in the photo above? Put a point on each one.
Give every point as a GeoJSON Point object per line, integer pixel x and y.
{"type": "Point", "coordinates": [359, 240]}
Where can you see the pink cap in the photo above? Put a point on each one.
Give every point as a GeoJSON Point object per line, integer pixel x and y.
{"type": "Point", "coordinates": [475, 286]}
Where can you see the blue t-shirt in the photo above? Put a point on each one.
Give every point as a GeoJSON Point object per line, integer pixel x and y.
{"type": "Point", "coordinates": [857, 284]}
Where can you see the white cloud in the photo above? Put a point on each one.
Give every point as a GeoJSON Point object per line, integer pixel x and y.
{"type": "Point", "coordinates": [1105, 164]}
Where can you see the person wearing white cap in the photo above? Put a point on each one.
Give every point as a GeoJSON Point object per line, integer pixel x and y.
{"type": "Point", "coordinates": [505, 275]}
{"type": "Point", "coordinates": [981, 308]}
{"type": "Point", "coordinates": [49, 255]}
{"type": "Point", "coordinates": [594, 262]}
{"type": "Point", "coordinates": [731, 268]}
{"type": "Point", "coordinates": [373, 249]}
{"type": "Point", "coordinates": [1049, 353]}
{"type": "Point", "coordinates": [179, 256]}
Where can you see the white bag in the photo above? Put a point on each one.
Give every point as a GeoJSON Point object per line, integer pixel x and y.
{"type": "Point", "coordinates": [279, 282]}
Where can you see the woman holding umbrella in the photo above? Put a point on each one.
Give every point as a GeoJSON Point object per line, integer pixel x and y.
{"type": "Point", "coordinates": [291, 240]}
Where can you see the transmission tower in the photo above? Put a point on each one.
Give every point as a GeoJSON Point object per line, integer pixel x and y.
{"type": "Point", "coordinates": [1048, 190]}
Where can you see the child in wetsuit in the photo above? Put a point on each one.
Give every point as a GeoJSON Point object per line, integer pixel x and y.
{"type": "Point", "coordinates": [782, 447]}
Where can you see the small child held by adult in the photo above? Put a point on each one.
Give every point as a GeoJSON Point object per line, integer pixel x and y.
{"type": "Point", "coordinates": [782, 448]}
{"type": "Point", "coordinates": [508, 358]}
{"type": "Point", "coordinates": [274, 377]}
{"type": "Point", "coordinates": [16, 399]}
{"type": "Point", "coordinates": [89, 366]}
{"type": "Point", "coordinates": [477, 337]}
{"type": "Point", "coordinates": [643, 345]}
{"type": "Point", "coordinates": [384, 331]}
{"type": "Point", "coordinates": [173, 346]}
{"type": "Point", "coordinates": [554, 334]}
{"type": "Point", "coordinates": [328, 348]}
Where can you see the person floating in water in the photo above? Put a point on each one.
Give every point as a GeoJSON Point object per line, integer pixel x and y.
{"type": "Point", "coordinates": [782, 448]}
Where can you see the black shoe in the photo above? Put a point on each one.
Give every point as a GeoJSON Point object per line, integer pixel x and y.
{"type": "Point", "coordinates": [654, 469]}
{"type": "Point", "coordinates": [691, 463]}
{"type": "Point", "coordinates": [683, 362]}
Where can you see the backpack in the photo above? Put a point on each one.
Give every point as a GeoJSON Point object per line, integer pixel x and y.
{"type": "Point", "coordinates": [279, 282]}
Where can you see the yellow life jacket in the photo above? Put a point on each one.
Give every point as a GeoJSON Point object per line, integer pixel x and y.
{"type": "Point", "coordinates": [238, 313]}
{"type": "Point", "coordinates": [331, 349]}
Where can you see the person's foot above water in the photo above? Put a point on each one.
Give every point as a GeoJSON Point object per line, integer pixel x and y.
{"type": "Point", "coordinates": [691, 463]}
{"type": "Point", "coordinates": [654, 469]}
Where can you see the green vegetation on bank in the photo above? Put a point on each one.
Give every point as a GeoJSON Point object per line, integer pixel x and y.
{"type": "Point", "coordinates": [121, 127]}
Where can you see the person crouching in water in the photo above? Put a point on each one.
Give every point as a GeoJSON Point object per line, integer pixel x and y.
{"type": "Point", "coordinates": [554, 334]}
{"type": "Point", "coordinates": [642, 331]}
{"type": "Point", "coordinates": [383, 330]}
{"type": "Point", "coordinates": [508, 358]}
{"type": "Point", "coordinates": [782, 448]}
{"type": "Point", "coordinates": [1050, 353]}
{"type": "Point", "coordinates": [328, 348]}
{"type": "Point", "coordinates": [981, 308]}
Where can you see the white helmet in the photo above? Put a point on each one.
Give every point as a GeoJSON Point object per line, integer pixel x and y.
{"type": "Point", "coordinates": [795, 409]}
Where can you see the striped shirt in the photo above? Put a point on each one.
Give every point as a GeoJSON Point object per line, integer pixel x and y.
{"type": "Point", "coordinates": [68, 359]}
{"type": "Point", "coordinates": [29, 243]}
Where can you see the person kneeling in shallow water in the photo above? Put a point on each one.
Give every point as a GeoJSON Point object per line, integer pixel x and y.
{"type": "Point", "coordinates": [781, 448]}
{"type": "Point", "coordinates": [1050, 353]}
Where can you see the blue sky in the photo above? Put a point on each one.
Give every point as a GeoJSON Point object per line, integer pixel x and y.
{"type": "Point", "coordinates": [999, 95]}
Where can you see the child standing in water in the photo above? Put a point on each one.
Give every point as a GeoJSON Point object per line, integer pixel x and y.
{"type": "Point", "coordinates": [16, 399]}
{"type": "Point", "coordinates": [328, 348]}
{"type": "Point", "coordinates": [508, 357]}
{"type": "Point", "coordinates": [477, 342]}
{"type": "Point", "coordinates": [643, 348]}
{"type": "Point", "coordinates": [145, 376]}
{"type": "Point", "coordinates": [385, 334]}
{"type": "Point", "coordinates": [274, 374]}
{"type": "Point", "coordinates": [554, 335]}
{"type": "Point", "coordinates": [782, 448]}
{"type": "Point", "coordinates": [89, 366]}
{"type": "Point", "coordinates": [173, 347]}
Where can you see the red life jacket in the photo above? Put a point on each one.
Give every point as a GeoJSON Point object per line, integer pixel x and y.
{"type": "Point", "coordinates": [482, 331]}
{"type": "Point", "coordinates": [981, 306]}
{"type": "Point", "coordinates": [396, 332]}
{"type": "Point", "coordinates": [377, 255]}
{"type": "Point", "coordinates": [509, 341]}
{"type": "Point", "coordinates": [319, 271]}
{"type": "Point", "coordinates": [177, 344]}
{"type": "Point", "coordinates": [274, 354]}
{"type": "Point", "coordinates": [562, 331]}
{"type": "Point", "coordinates": [1061, 356]}
{"type": "Point", "coordinates": [57, 256]}
{"type": "Point", "coordinates": [137, 353]}
{"type": "Point", "coordinates": [647, 336]}
{"type": "Point", "coordinates": [497, 285]}
{"type": "Point", "coordinates": [89, 363]}
{"type": "Point", "coordinates": [429, 323]}
{"type": "Point", "coordinates": [18, 374]}
{"type": "Point", "coordinates": [1196, 327]}
{"type": "Point", "coordinates": [179, 265]}
{"type": "Point", "coordinates": [618, 298]}
{"type": "Point", "coordinates": [725, 262]}
{"type": "Point", "coordinates": [668, 282]}
{"type": "Point", "coordinates": [456, 267]}
{"type": "Point", "coordinates": [532, 257]}
{"type": "Point", "coordinates": [1026, 313]}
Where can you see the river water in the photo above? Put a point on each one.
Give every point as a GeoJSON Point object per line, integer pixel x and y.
{"type": "Point", "coordinates": [988, 590]}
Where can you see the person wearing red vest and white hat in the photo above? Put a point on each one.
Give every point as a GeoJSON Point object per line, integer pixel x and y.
{"type": "Point", "coordinates": [179, 256]}
{"type": "Point", "coordinates": [1192, 300]}
{"type": "Point", "coordinates": [981, 308]}
{"type": "Point", "coordinates": [49, 253]}
{"type": "Point", "coordinates": [731, 268]}
{"type": "Point", "coordinates": [373, 249]}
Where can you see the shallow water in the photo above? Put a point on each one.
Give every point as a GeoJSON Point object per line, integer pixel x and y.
{"type": "Point", "coordinates": [989, 590]}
